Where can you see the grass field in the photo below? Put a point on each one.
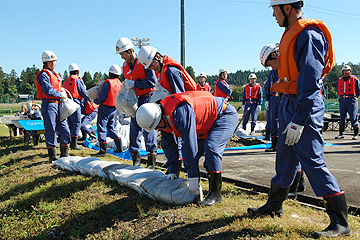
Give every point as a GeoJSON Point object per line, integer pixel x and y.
{"type": "Point", "coordinates": [38, 201]}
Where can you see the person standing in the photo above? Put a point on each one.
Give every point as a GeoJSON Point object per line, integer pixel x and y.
{"type": "Point", "coordinates": [143, 81]}
{"type": "Point", "coordinates": [348, 88]}
{"type": "Point", "coordinates": [107, 111]}
{"type": "Point", "coordinates": [50, 91]}
{"type": "Point", "coordinates": [205, 123]}
{"type": "Point", "coordinates": [252, 98]}
{"type": "Point", "coordinates": [306, 55]}
{"type": "Point", "coordinates": [222, 88]}
{"type": "Point", "coordinates": [202, 85]}
{"type": "Point", "coordinates": [75, 85]}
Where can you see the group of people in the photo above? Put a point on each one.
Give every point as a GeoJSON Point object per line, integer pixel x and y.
{"type": "Point", "coordinates": [196, 123]}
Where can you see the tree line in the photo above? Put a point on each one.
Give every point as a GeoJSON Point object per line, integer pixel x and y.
{"type": "Point", "coordinates": [11, 85]}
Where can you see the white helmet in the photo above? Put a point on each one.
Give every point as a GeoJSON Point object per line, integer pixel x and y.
{"type": "Point", "coordinates": [222, 70]}
{"type": "Point", "coordinates": [202, 75]}
{"type": "Point", "coordinates": [123, 44]}
{"type": "Point", "coordinates": [346, 67]}
{"type": "Point", "coordinates": [148, 116]}
{"type": "Point", "coordinates": [48, 56]}
{"type": "Point", "coordinates": [280, 2]}
{"type": "Point", "coordinates": [73, 67]}
{"type": "Point", "coordinates": [252, 75]}
{"type": "Point", "coordinates": [265, 52]}
{"type": "Point", "coordinates": [146, 55]}
{"type": "Point", "coordinates": [115, 69]}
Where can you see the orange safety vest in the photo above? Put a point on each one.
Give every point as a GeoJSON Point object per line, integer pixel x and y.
{"type": "Point", "coordinates": [287, 68]}
{"type": "Point", "coordinates": [189, 83]}
{"type": "Point", "coordinates": [218, 92]}
{"type": "Point", "coordinates": [137, 73]}
{"type": "Point", "coordinates": [346, 88]}
{"type": "Point", "coordinates": [252, 92]}
{"type": "Point", "coordinates": [204, 105]}
{"type": "Point", "coordinates": [70, 84]}
{"type": "Point", "coordinates": [115, 86]}
{"type": "Point", "coordinates": [206, 87]}
{"type": "Point", "coordinates": [55, 81]}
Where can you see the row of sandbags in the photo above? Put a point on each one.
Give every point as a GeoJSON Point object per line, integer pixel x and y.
{"type": "Point", "coordinates": [153, 184]}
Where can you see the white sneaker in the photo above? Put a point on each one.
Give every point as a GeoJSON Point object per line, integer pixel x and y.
{"type": "Point", "coordinates": [355, 137]}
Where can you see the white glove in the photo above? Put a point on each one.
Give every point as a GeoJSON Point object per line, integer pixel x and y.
{"type": "Point", "coordinates": [129, 84]}
{"type": "Point", "coordinates": [267, 103]}
{"type": "Point", "coordinates": [243, 107]}
{"type": "Point", "coordinates": [63, 95]}
{"type": "Point", "coordinates": [293, 133]}
{"type": "Point", "coordinates": [194, 185]}
{"type": "Point", "coordinates": [171, 176]}
{"type": "Point", "coordinates": [259, 108]}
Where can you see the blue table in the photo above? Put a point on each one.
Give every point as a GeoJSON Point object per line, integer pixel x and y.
{"type": "Point", "coordinates": [32, 127]}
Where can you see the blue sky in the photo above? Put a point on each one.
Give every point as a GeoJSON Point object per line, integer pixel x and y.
{"type": "Point", "coordinates": [218, 33]}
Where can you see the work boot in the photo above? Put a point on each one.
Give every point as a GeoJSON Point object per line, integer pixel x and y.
{"type": "Point", "coordinates": [118, 144]}
{"type": "Point", "coordinates": [273, 206]}
{"type": "Point", "coordinates": [302, 184]}
{"type": "Point", "coordinates": [102, 151]}
{"type": "Point", "coordinates": [74, 145]}
{"type": "Point", "coordinates": [36, 139]}
{"type": "Point", "coordinates": [336, 208]}
{"type": "Point", "coordinates": [83, 137]}
{"type": "Point", "coordinates": [273, 147]}
{"type": "Point", "coordinates": [64, 151]}
{"type": "Point", "coordinates": [356, 133]}
{"type": "Point", "coordinates": [341, 133]}
{"type": "Point", "coordinates": [214, 196]}
{"type": "Point", "coordinates": [293, 191]}
{"type": "Point", "coordinates": [92, 135]}
{"type": "Point", "coordinates": [252, 130]}
{"type": "Point", "coordinates": [267, 135]}
{"type": "Point", "coordinates": [52, 154]}
{"type": "Point", "coordinates": [135, 156]}
{"type": "Point", "coordinates": [151, 161]}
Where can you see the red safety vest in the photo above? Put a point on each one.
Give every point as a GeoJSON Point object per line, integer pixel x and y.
{"type": "Point", "coordinates": [346, 88]}
{"type": "Point", "coordinates": [115, 86]}
{"type": "Point", "coordinates": [90, 107]}
{"type": "Point", "coordinates": [137, 73]}
{"type": "Point", "coordinates": [206, 87]}
{"type": "Point", "coordinates": [189, 83]}
{"type": "Point", "coordinates": [204, 105]}
{"type": "Point", "coordinates": [287, 68]}
{"type": "Point", "coordinates": [70, 84]}
{"type": "Point", "coordinates": [218, 92]}
{"type": "Point", "coordinates": [252, 92]}
{"type": "Point", "coordinates": [55, 81]}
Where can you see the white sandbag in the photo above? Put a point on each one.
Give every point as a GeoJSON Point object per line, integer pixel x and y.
{"type": "Point", "coordinates": [82, 162]}
{"type": "Point", "coordinates": [67, 107]}
{"type": "Point", "coordinates": [87, 167]}
{"type": "Point", "coordinates": [64, 162]}
{"type": "Point", "coordinates": [111, 169]}
{"type": "Point", "coordinates": [137, 178]}
{"type": "Point", "coordinates": [97, 169]}
{"type": "Point", "coordinates": [122, 176]}
{"type": "Point", "coordinates": [94, 92]}
{"type": "Point", "coordinates": [159, 93]}
{"type": "Point", "coordinates": [127, 100]}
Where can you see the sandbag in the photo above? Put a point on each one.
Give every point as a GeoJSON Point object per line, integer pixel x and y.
{"type": "Point", "coordinates": [127, 100]}
{"type": "Point", "coordinates": [67, 107]}
{"type": "Point", "coordinates": [81, 164]}
{"type": "Point", "coordinates": [64, 162]}
{"type": "Point", "coordinates": [94, 92]}
{"type": "Point", "coordinates": [159, 93]}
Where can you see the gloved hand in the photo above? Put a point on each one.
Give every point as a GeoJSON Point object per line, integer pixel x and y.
{"type": "Point", "coordinates": [259, 108]}
{"type": "Point", "coordinates": [194, 185]}
{"type": "Point", "coordinates": [243, 107]}
{"type": "Point", "coordinates": [171, 176]}
{"type": "Point", "coordinates": [63, 95]}
{"type": "Point", "coordinates": [293, 133]}
{"type": "Point", "coordinates": [267, 103]}
{"type": "Point", "coordinates": [129, 84]}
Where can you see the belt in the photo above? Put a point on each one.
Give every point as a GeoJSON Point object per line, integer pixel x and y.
{"type": "Point", "coordinates": [144, 95]}
{"type": "Point", "coordinates": [347, 96]}
{"type": "Point", "coordinates": [252, 102]}
{"type": "Point", "coordinates": [49, 100]}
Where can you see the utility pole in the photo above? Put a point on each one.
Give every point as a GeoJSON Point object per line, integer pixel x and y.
{"type": "Point", "coordinates": [182, 35]}
{"type": "Point", "coordinates": [139, 42]}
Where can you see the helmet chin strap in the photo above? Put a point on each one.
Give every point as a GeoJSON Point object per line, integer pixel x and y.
{"type": "Point", "coordinates": [286, 21]}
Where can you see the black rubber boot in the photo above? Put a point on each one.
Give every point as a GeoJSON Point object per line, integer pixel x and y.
{"type": "Point", "coordinates": [151, 161]}
{"type": "Point", "coordinates": [273, 147]}
{"type": "Point", "coordinates": [64, 151]}
{"type": "Point", "coordinates": [118, 144]}
{"type": "Point", "coordinates": [341, 133]}
{"type": "Point", "coordinates": [252, 130]}
{"type": "Point", "coordinates": [102, 151]}
{"type": "Point", "coordinates": [214, 196]}
{"type": "Point", "coordinates": [83, 136]}
{"type": "Point", "coordinates": [273, 206]}
{"type": "Point", "coordinates": [336, 208]}
{"type": "Point", "coordinates": [302, 184]}
{"type": "Point", "coordinates": [135, 156]}
{"type": "Point", "coordinates": [267, 134]}
{"type": "Point", "coordinates": [356, 133]}
{"type": "Point", "coordinates": [36, 139]}
{"type": "Point", "coordinates": [52, 154]}
{"type": "Point", "coordinates": [92, 135]}
{"type": "Point", "coordinates": [293, 191]}
{"type": "Point", "coordinates": [74, 145]}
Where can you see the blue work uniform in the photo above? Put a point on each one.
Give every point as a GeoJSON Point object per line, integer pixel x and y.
{"type": "Point", "coordinates": [252, 103]}
{"type": "Point", "coordinates": [274, 99]}
{"type": "Point", "coordinates": [106, 116]}
{"type": "Point", "coordinates": [88, 118]}
{"type": "Point", "coordinates": [50, 113]}
{"type": "Point", "coordinates": [306, 108]}
{"type": "Point", "coordinates": [192, 147]}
